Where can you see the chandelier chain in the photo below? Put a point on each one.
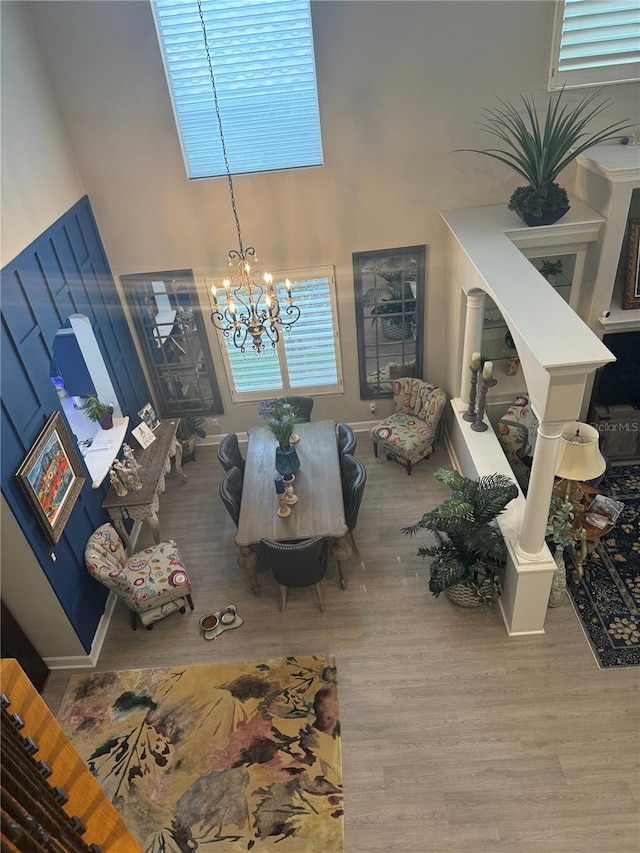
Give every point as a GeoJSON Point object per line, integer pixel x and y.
{"type": "Point", "coordinates": [224, 147]}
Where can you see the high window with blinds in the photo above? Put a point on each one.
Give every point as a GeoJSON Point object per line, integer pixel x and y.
{"type": "Point", "coordinates": [264, 70]}
{"type": "Point", "coordinates": [595, 43]}
{"type": "Point", "coordinates": [307, 359]}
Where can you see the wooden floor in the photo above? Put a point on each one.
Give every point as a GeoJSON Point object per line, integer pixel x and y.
{"type": "Point", "coordinates": [455, 737]}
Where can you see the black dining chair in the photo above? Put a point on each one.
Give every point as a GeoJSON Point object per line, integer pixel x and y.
{"type": "Point", "coordinates": [231, 492]}
{"type": "Point", "coordinates": [229, 453]}
{"type": "Point", "coordinates": [302, 563]}
{"type": "Point", "coordinates": [303, 407]}
{"type": "Point", "coordinates": [354, 479]}
{"type": "Point", "coordinates": [346, 440]}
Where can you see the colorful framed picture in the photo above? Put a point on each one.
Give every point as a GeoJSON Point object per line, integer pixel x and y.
{"type": "Point", "coordinates": [631, 296]}
{"type": "Point", "coordinates": [148, 415]}
{"type": "Point", "coordinates": [52, 477]}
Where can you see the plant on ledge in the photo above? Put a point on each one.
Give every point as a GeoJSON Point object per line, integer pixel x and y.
{"type": "Point", "coordinates": [470, 554]}
{"type": "Point", "coordinates": [539, 151]}
{"type": "Point", "coordinates": [98, 411]}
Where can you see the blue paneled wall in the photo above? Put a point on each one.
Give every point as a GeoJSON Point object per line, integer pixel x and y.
{"type": "Point", "coordinates": [65, 271]}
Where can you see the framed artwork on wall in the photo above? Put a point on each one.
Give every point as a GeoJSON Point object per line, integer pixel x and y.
{"type": "Point", "coordinates": [631, 296]}
{"type": "Point", "coordinates": [52, 477]}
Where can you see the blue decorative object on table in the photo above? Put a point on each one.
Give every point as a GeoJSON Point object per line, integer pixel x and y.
{"type": "Point", "coordinates": [287, 460]}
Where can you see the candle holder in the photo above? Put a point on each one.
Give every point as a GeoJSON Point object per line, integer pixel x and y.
{"type": "Point", "coordinates": [289, 497]}
{"type": "Point", "coordinates": [283, 510]}
{"type": "Point", "coordinates": [479, 425]}
{"type": "Point", "coordinates": [470, 414]}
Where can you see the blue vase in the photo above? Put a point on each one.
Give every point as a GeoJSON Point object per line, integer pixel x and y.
{"type": "Point", "coordinates": [287, 461]}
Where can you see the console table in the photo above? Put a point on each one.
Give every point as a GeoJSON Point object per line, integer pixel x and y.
{"type": "Point", "coordinates": [142, 505]}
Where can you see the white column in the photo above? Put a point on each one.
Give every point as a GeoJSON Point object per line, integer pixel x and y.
{"type": "Point", "coordinates": [473, 326]}
{"type": "Point", "coordinates": [534, 523]}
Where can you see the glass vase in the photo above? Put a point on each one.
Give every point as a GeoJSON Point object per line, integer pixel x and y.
{"type": "Point", "coordinates": [287, 461]}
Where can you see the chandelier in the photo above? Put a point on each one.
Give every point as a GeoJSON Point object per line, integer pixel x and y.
{"type": "Point", "coordinates": [248, 308]}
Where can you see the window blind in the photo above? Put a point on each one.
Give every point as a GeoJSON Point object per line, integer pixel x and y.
{"type": "Point", "coordinates": [264, 69]}
{"type": "Point", "coordinates": [307, 357]}
{"type": "Point", "coordinates": [596, 42]}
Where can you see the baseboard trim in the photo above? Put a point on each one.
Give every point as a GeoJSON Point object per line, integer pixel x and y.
{"type": "Point", "coordinates": [87, 661]}
{"type": "Point", "coordinates": [213, 440]}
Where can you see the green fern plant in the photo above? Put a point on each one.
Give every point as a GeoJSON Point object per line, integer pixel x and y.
{"type": "Point", "coordinates": [470, 549]}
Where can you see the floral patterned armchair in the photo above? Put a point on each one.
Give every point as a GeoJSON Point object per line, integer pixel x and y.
{"type": "Point", "coordinates": [409, 435]}
{"type": "Point", "coordinates": [152, 583]}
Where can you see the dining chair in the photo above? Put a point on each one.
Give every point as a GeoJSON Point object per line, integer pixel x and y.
{"type": "Point", "coordinates": [229, 453]}
{"type": "Point", "coordinates": [302, 563]}
{"type": "Point", "coordinates": [303, 407]}
{"type": "Point", "coordinates": [346, 440]}
{"type": "Point", "coordinates": [152, 583]}
{"type": "Point", "coordinates": [354, 479]}
{"type": "Point", "coordinates": [231, 492]}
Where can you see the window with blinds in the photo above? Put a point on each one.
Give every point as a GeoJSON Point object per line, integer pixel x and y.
{"type": "Point", "coordinates": [307, 359]}
{"type": "Point", "coordinates": [595, 43]}
{"type": "Point", "coordinates": [264, 70]}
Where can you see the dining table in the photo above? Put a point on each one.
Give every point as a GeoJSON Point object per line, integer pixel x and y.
{"type": "Point", "coordinates": [319, 510]}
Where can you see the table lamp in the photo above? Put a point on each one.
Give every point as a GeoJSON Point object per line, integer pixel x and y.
{"type": "Point", "coordinates": [579, 457]}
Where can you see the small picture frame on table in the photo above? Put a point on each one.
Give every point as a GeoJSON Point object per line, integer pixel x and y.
{"type": "Point", "coordinates": [148, 415]}
{"type": "Point", "coordinates": [143, 435]}
{"type": "Point", "coordinates": [631, 295]}
{"type": "Point", "coordinates": [52, 477]}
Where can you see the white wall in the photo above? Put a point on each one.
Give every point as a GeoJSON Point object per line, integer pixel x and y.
{"type": "Point", "coordinates": [40, 180]}
{"type": "Point", "coordinates": [401, 84]}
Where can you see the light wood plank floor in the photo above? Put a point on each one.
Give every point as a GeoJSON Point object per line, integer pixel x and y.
{"type": "Point", "coordinates": [455, 737]}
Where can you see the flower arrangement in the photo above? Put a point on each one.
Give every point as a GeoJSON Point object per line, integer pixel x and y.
{"type": "Point", "coordinates": [280, 418]}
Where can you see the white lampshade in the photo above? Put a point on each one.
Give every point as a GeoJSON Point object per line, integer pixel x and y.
{"type": "Point", "coordinates": [579, 457]}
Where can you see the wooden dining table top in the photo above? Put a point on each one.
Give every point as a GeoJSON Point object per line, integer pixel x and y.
{"type": "Point", "coordinates": [319, 510]}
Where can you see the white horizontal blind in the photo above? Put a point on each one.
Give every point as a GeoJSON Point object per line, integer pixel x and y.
{"type": "Point", "coordinates": [264, 69]}
{"type": "Point", "coordinates": [596, 42]}
{"type": "Point", "coordinates": [306, 359]}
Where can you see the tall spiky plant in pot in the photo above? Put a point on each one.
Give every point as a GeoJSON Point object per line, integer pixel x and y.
{"type": "Point", "coordinates": [539, 150]}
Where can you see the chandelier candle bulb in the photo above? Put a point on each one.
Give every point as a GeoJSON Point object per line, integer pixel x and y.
{"type": "Point", "coordinates": [487, 370]}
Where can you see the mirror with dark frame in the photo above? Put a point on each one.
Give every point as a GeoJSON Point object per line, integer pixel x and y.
{"type": "Point", "coordinates": [389, 296]}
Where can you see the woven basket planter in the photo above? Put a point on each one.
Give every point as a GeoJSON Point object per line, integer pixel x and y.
{"type": "Point", "coordinates": [464, 596]}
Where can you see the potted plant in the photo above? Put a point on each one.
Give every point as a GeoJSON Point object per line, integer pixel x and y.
{"type": "Point", "coordinates": [98, 411]}
{"type": "Point", "coordinates": [561, 532]}
{"type": "Point", "coordinates": [540, 151]}
{"type": "Point", "coordinates": [470, 553]}
{"type": "Point", "coordinates": [188, 428]}
{"type": "Point", "coordinates": [281, 419]}
{"type": "Point", "coordinates": [394, 302]}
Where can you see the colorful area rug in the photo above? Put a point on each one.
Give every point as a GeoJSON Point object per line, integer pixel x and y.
{"type": "Point", "coordinates": [607, 599]}
{"type": "Point", "coordinates": [221, 757]}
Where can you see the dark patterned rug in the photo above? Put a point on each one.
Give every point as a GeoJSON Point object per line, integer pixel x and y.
{"type": "Point", "coordinates": [231, 757]}
{"type": "Point", "coordinates": [607, 599]}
